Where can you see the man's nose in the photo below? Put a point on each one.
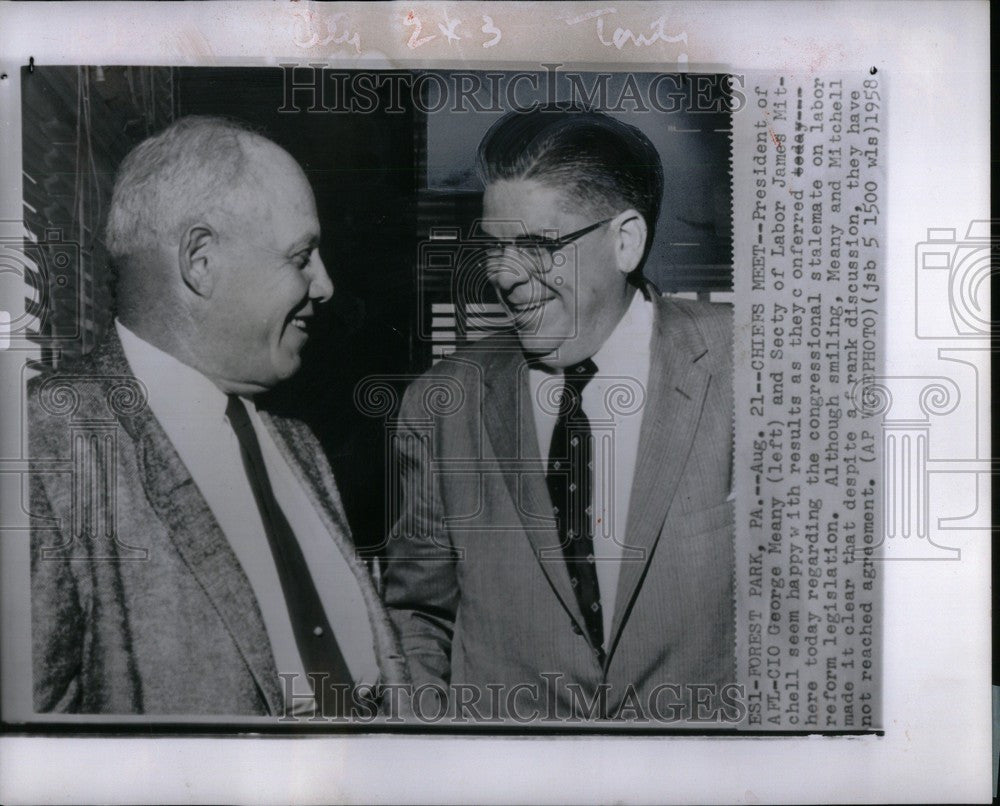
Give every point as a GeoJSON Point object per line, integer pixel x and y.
{"type": "Point", "coordinates": [507, 270]}
{"type": "Point", "coordinates": [320, 284]}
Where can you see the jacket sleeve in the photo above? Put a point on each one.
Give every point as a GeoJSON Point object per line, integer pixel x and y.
{"type": "Point", "coordinates": [420, 580]}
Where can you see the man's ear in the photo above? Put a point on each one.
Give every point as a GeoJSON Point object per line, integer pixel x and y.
{"type": "Point", "coordinates": [631, 230]}
{"type": "Point", "coordinates": [195, 259]}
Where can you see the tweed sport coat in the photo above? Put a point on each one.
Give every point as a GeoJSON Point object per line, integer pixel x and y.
{"type": "Point", "coordinates": [472, 582]}
{"type": "Point", "coordinates": [139, 604]}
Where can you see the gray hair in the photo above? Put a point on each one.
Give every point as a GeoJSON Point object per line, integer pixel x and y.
{"type": "Point", "coordinates": [170, 179]}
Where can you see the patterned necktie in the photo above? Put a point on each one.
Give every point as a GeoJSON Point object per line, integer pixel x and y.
{"type": "Point", "coordinates": [313, 634]}
{"type": "Point", "coordinates": [570, 481]}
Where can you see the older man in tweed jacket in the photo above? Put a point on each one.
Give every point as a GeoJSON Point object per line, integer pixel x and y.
{"type": "Point", "coordinates": [190, 554]}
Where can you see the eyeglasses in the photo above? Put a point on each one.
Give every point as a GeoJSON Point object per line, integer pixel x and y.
{"type": "Point", "coordinates": [537, 249]}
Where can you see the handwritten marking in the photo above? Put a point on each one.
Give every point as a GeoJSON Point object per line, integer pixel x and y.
{"type": "Point", "coordinates": [310, 39]}
{"type": "Point", "coordinates": [415, 40]}
{"type": "Point", "coordinates": [490, 28]}
{"type": "Point", "coordinates": [449, 31]}
{"type": "Point", "coordinates": [590, 15]}
{"type": "Point", "coordinates": [623, 36]}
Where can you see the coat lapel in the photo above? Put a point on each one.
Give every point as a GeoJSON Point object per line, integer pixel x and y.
{"type": "Point", "coordinates": [677, 387]}
{"type": "Point", "coordinates": [304, 456]}
{"type": "Point", "coordinates": [515, 444]}
{"type": "Point", "coordinates": [194, 531]}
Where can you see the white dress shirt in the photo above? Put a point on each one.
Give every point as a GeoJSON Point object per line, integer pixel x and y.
{"type": "Point", "coordinates": [613, 401]}
{"type": "Point", "coordinates": [192, 411]}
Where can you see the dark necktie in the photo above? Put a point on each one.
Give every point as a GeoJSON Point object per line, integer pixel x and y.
{"type": "Point", "coordinates": [313, 634]}
{"type": "Point", "coordinates": [570, 482]}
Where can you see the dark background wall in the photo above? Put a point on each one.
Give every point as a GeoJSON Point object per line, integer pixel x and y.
{"type": "Point", "coordinates": [692, 246]}
{"type": "Point", "coordinates": [78, 123]}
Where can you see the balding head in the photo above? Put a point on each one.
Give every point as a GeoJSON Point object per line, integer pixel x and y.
{"type": "Point", "coordinates": [185, 172]}
{"type": "Point", "coordinates": [214, 233]}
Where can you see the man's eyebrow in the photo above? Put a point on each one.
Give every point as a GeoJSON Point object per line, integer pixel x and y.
{"type": "Point", "coordinates": [529, 238]}
{"type": "Point", "coordinates": [519, 226]}
{"type": "Point", "coordinates": [310, 242]}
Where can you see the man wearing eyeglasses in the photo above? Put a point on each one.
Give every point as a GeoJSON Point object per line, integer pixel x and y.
{"type": "Point", "coordinates": [565, 547]}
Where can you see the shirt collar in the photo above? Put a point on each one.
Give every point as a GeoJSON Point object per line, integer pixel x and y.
{"type": "Point", "coordinates": [626, 351]}
{"type": "Point", "coordinates": [174, 389]}
{"type": "Point", "coordinates": [629, 341]}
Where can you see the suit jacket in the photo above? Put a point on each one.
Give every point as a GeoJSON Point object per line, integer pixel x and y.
{"type": "Point", "coordinates": [475, 581]}
{"type": "Point", "coordinates": [139, 604]}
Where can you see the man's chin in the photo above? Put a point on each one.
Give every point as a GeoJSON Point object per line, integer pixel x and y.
{"type": "Point", "coordinates": [537, 346]}
{"type": "Point", "coordinates": [554, 352]}
{"type": "Point", "coordinates": [290, 369]}
{"type": "Point", "coordinates": [286, 366]}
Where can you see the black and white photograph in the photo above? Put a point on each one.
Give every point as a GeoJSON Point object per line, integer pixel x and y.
{"type": "Point", "coordinates": [495, 401]}
{"type": "Point", "coordinates": [399, 449]}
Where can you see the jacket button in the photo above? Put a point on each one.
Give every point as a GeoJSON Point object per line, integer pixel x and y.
{"type": "Point", "coordinates": [576, 628]}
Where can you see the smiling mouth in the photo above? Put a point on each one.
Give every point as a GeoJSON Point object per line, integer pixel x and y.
{"type": "Point", "coordinates": [527, 310]}
{"type": "Point", "coordinates": [302, 320]}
